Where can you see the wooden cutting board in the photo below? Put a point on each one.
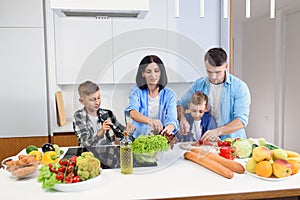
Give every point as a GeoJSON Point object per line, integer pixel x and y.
{"type": "Point", "coordinates": [60, 109]}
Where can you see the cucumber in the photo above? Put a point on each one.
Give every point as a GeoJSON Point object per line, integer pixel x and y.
{"type": "Point", "coordinates": [271, 146]}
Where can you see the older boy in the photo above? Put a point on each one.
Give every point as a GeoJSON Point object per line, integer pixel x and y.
{"type": "Point", "coordinates": [199, 119]}
{"type": "Point", "coordinates": [92, 124]}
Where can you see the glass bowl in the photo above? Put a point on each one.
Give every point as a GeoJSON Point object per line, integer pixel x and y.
{"type": "Point", "coordinates": [148, 157]}
{"type": "Point", "coordinates": [21, 166]}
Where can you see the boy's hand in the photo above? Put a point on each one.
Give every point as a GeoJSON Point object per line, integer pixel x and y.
{"type": "Point", "coordinates": [106, 125]}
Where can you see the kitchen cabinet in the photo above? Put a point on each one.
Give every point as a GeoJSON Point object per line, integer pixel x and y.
{"type": "Point", "coordinates": [83, 50]}
{"type": "Point", "coordinates": [109, 50]}
{"type": "Point", "coordinates": [134, 39]}
{"type": "Point", "coordinates": [190, 36]}
{"type": "Point", "coordinates": [20, 13]}
{"type": "Point", "coordinates": [23, 83]}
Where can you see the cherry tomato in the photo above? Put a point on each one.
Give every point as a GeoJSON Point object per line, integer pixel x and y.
{"type": "Point", "coordinates": [63, 162]}
{"type": "Point", "coordinates": [70, 169]}
{"type": "Point", "coordinates": [61, 169]}
{"type": "Point", "coordinates": [76, 179]}
{"type": "Point", "coordinates": [220, 143]}
{"type": "Point", "coordinates": [68, 179]}
{"type": "Point", "coordinates": [60, 176]}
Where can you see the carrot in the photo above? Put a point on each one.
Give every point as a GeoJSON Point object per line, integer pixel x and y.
{"type": "Point", "coordinates": [230, 164]}
{"type": "Point", "coordinates": [209, 164]}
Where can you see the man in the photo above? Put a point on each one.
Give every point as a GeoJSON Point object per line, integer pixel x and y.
{"type": "Point", "coordinates": [228, 97]}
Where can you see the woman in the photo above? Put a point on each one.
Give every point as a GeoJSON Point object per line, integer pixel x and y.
{"type": "Point", "coordinates": [152, 106]}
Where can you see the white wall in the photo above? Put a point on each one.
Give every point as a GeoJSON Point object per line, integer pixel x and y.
{"type": "Point", "coordinates": [259, 73]}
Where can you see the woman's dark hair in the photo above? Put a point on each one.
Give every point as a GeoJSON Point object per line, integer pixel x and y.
{"type": "Point", "coordinates": [141, 81]}
{"type": "Point", "coordinates": [216, 57]}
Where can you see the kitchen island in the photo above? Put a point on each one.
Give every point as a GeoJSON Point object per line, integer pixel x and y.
{"type": "Point", "coordinates": [173, 178]}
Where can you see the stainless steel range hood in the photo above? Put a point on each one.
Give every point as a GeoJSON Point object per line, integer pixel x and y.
{"type": "Point", "coordinates": [101, 8]}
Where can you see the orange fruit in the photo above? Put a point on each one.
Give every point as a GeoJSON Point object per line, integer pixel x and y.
{"type": "Point", "coordinates": [264, 169]}
{"type": "Point", "coordinates": [295, 166]}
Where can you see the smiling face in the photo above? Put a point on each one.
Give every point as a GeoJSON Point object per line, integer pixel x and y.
{"type": "Point", "coordinates": [216, 74]}
{"type": "Point", "coordinates": [151, 74]}
{"type": "Point", "coordinates": [197, 111]}
{"type": "Point", "coordinates": [91, 102]}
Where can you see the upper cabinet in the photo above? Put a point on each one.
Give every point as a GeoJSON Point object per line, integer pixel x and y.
{"type": "Point", "coordinates": [20, 13]}
{"type": "Point", "coordinates": [109, 50]}
{"type": "Point", "coordinates": [83, 50]}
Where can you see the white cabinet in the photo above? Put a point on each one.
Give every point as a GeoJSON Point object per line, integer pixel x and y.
{"type": "Point", "coordinates": [109, 50]}
{"type": "Point", "coordinates": [190, 36]}
{"type": "Point", "coordinates": [23, 83]}
{"type": "Point", "coordinates": [83, 50]}
{"type": "Point", "coordinates": [21, 13]}
{"type": "Point", "coordinates": [134, 39]}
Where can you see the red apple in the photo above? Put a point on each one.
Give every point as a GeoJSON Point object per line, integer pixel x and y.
{"type": "Point", "coordinates": [282, 168]}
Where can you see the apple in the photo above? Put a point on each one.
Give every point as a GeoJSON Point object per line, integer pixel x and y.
{"type": "Point", "coordinates": [282, 168]}
{"type": "Point", "coordinates": [279, 154]}
{"type": "Point", "coordinates": [261, 153]}
{"type": "Point", "coordinates": [251, 164]}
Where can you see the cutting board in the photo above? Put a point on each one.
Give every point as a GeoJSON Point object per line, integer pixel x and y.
{"type": "Point", "coordinates": [60, 109]}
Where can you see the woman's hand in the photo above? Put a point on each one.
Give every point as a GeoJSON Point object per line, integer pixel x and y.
{"type": "Point", "coordinates": [130, 127]}
{"type": "Point", "coordinates": [156, 125]}
{"type": "Point", "coordinates": [168, 130]}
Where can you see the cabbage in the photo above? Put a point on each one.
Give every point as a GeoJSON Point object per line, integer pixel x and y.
{"type": "Point", "coordinates": [243, 148]}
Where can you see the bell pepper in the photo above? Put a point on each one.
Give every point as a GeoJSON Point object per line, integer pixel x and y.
{"type": "Point", "coordinates": [49, 157]}
{"type": "Point", "coordinates": [227, 152]}
{"type": "Point", "coordinates": [37, 154]}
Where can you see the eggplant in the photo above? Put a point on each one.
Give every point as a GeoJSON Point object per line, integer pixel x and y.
{"type": "Point", "coordinates": [47, 147]}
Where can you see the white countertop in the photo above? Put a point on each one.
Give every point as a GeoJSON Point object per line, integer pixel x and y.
{"type": "Point", "coordinates": [176, 177]}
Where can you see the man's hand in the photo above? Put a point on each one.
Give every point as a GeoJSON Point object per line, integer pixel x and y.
{"type": "Point", "coordinates": [212, 135]}
{"type": "Point", "coordinates": [184, 126]}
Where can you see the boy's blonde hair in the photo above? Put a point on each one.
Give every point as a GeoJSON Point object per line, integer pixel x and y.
{"type": "Point", "coordinates": [199, 98]}
{"type": "Point", "coordinates": [87, 88]}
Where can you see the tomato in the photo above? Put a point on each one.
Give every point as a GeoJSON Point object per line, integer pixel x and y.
{"type": "Point", "coordinates": [61, 169]}
{"type": "Point", "coordinates": [70, 169]}
{"type": "Point", "coordinates": [220, 143]}
{"type": "Point", "coordinates": [68, 179]}
{"type": "Point", "coordinates": [63, 162]}
{"type": "Point", "coordinates": [60, 176]}
{"type": "Point", "coordinates": [76, 179]}
{"type": "Point", "coordinates": [227, 143]}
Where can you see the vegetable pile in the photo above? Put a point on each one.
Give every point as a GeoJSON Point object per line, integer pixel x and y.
{"type": "Point", "coordinates": [72, 170]}
{"type": "Point", "coordinates": [150, 144]}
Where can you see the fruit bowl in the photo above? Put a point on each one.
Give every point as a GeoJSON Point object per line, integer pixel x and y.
{"type": "Point", "coordinates": [22, 166]}
{"type": "Point", "coordinates": [148, 157]}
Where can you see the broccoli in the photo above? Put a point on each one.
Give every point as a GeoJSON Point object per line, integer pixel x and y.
{"type": "Point", "coordinates": [87, 166]}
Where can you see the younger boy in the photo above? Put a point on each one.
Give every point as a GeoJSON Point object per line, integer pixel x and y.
{"type": "Point", "coordinates": [92, 124]}
{"type": "Point", "coordinates": [199, 119]}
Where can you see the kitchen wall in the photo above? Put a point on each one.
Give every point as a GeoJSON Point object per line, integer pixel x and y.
{"type": "Point", "coordinates": [85, 44]}
{"type": "Point", "coordinates": [265, 49]}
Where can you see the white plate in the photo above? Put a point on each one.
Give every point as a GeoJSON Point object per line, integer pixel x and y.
{"type": "Point", "coordinates": [80, 186]}
{"type": "Point", "coordinates": [272, 178]}
{"type": "Point", "coordinates": [189, 146]}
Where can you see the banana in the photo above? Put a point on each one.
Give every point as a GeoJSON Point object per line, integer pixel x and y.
{"type": "Point", "coordinates": [292, 153]}
{"type": "Point", "coordinates": [294, 158]}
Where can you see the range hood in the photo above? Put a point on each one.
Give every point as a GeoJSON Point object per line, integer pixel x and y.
{"type": "Point", "coordinates": [101, 8]}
